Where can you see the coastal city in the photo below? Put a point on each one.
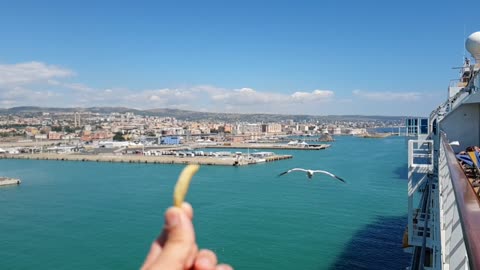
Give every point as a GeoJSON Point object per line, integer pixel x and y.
{"type": "Point", "coordinates": [193, 135]}
{"type": "Point", "coordinates": [131, 137]}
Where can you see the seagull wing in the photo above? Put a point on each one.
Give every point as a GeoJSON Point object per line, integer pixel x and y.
{"type": "Point", "coordinates": [330, 174]}
{"type": "Point", "coordinates": [297, 169]}
{"type": "Point", "coordinates": [291, 170]}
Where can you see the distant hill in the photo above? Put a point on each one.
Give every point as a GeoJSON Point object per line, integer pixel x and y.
{"type": "Point", "coordinates": [194, 115]}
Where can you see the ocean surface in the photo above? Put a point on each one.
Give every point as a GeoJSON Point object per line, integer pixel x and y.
{"type": "Point", "coordinates": [83, 215]}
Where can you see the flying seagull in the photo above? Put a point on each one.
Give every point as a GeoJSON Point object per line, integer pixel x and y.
{"type": "Point", "coordinates": [310, 173]}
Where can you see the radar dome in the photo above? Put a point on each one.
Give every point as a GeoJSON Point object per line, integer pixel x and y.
{"type": "Point", "coordinates": [473, 45]}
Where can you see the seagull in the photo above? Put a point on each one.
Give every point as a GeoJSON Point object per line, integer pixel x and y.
{"type": "Point", "coordinates": [310, 173]}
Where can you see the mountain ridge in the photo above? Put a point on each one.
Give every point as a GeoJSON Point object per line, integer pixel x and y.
{"type": "Point", "coordinates": [197, 115]}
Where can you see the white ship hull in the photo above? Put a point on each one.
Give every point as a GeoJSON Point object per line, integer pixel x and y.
{"type": "Point", "coordinates": [443, 204]}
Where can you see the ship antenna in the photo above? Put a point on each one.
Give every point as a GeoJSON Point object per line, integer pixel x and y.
{"type": "Point", "coordinates": [463, 41]}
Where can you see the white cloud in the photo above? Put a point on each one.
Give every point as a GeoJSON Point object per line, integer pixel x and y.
{"type": "Point", "coordinates": [7, 103]}
{"type": "Point", "coordinates": [315, 95]}
{"type": "Point", "coordinates": [40, 84]}
{"type": "Point", "coordinates": [77, 87]}
{"type": "Point", "coordinates": [31, 72]}
{"type": "Point", "coordinates": [248, 96]}
{"type": "Point", "coordinates": [19, 95]}
{"type": "Point", "coordinates": [159, 97]}
{"type": "Point", "coordinates": [388, 96]}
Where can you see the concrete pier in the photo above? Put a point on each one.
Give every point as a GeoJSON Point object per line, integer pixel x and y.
{"type": "Point", "coordinates": [4, 181]}
{"type": "Point", "coordinates": [277, 157]}
{"type": "Point", "coordinates": [264, 146]}
{"type": "Point", "coordinates": [201, 160]}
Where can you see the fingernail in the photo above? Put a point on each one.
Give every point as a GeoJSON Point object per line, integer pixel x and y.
{"type": "Point", "coordinates": [172, 218]}
{"type": "Point", "coordinates": [204, 262]}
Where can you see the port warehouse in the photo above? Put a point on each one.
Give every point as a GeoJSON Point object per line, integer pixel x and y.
{"type": "Point", "coordinates": [168, 140]}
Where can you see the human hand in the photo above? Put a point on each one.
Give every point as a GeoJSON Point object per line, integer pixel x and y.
{"type": "Point", "coordinates": [176, 249]}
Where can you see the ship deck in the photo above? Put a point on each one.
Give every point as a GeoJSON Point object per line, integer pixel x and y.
{"type": "Point", "coordinates": [474, 179]}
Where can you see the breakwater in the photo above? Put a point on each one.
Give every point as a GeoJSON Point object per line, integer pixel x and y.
{"type": "Point", "coordinates": [226, 161]}
{"type": "Point", "coordinates": [264, 146]}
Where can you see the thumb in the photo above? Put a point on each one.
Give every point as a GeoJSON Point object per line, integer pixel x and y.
{"type": "Point", "coordinates": [180, 240]}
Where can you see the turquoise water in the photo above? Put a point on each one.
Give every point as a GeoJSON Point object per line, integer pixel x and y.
{"type": "Point", "coordinates": [81, 215]}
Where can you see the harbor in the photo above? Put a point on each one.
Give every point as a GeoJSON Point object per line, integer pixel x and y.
{"type": "Point", "coordinates": [127, 196]}
{"type": "Point", "coordinates": [190, 153]}
{"type": "Point", "coordinates": [240, 135]}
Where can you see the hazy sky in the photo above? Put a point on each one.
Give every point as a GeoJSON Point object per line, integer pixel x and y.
{"type": "Point", "coordinates": [316, 57]}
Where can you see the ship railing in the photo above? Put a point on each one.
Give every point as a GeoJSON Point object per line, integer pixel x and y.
{"type": "Point", "coordinates": [459, 213]}
{"type": "Point", "coordinates": [454, 82]}
{"type": "Point", "coordinates": [456, 100]}
{"type": "Point", "coordinates": [420, 155]}
{"type": "Point", "coordinates": [420, 171]}
{"type": "Point", "coordinates": [441, 110]}
{"type": "Point", "coordinates": [459, 98]}
{"type": "Point", "coordinates": [421, 234]}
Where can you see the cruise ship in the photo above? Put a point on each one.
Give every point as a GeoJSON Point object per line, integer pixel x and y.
{"type": "Point", "coordinates": [443, 230]}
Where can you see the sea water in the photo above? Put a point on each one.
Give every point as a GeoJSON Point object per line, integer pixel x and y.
{"type": "Point", "coordinates": [88, 215]}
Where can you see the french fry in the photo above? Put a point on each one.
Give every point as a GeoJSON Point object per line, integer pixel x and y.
{"type": "Point", "coordinates": [183, 182]}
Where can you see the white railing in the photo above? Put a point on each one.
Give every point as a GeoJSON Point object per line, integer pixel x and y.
{"type": "Point", "coordinates": [420, 171]}
{"type": "Point", "coordinates": [420, 155]}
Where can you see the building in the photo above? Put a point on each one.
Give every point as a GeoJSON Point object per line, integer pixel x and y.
{"type": "Point", "coordinates": [68, 136]}
{"type": "Point", "coordinates": [54, 135]}
{"type": "Point", "coordinates": [249, 129]}
{"type": "Point", "coordinates": [302, 128]}
{"type": "Point", "coordinates": [272, 128]}
{"type": "Point", "coordinates": [170, 140]}
{"type": "Point", "coordinates": [227, 128]}
{"type": "Point", "coordinates": [101, 135]}
{"type": "Point", "coordinates": [86, 138]}
{"type": "Point", "coordinates": [41, 136]}
{"type": "Point", "coordinates": [31, 131]}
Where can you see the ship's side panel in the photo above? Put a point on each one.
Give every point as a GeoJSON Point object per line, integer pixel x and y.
{"type": "Point", "coordinates": [466, 114]}
{"type": "Point", "coordinates": [452, 243]}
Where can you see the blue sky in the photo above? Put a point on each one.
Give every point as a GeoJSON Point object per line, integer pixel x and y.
{"type": "Point", "coordinates": [315, 57]}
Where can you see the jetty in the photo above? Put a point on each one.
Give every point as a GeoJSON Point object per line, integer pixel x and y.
{"type": "Point", "coordinates": [375, 135]}
{"type": "Point", "coordinates": [201, 160]}
{"type": "Point", "coordinates": [265, 146]}
{"type": "Point", "coordinates": [4, 181]}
